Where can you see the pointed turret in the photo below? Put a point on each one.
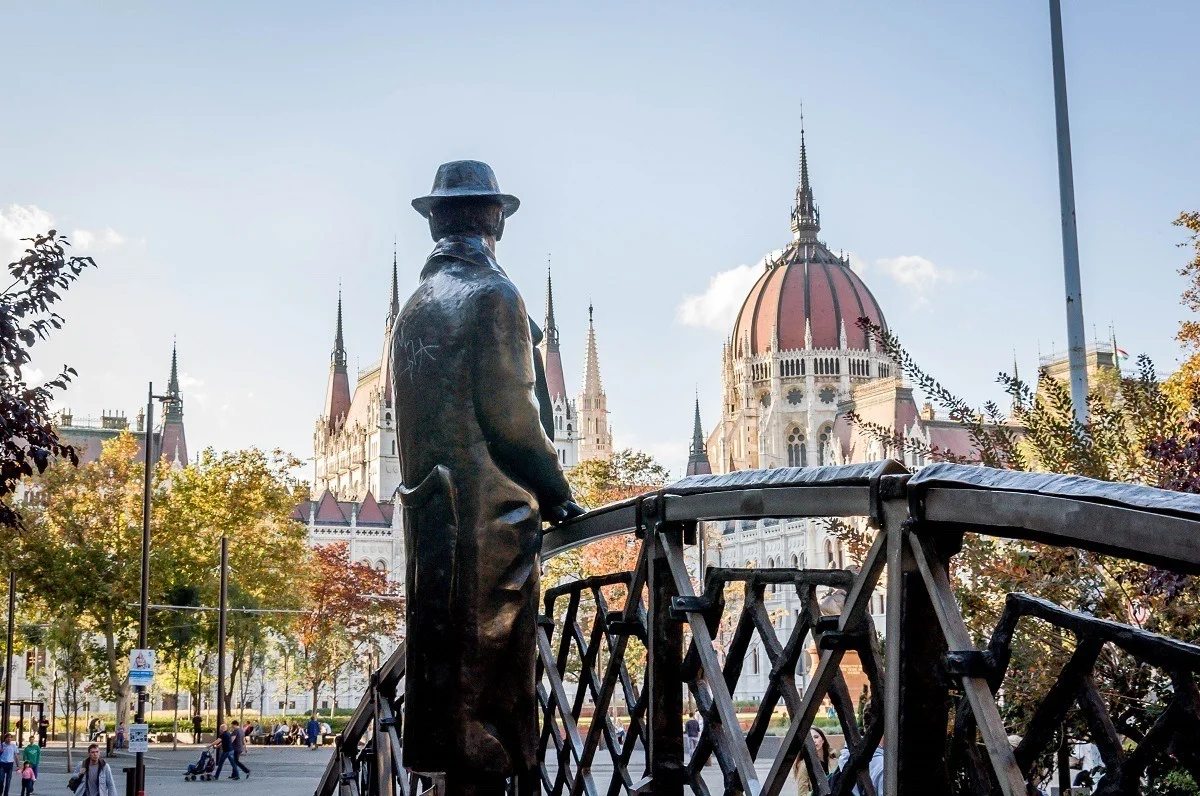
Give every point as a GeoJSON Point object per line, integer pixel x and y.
{"type": "Point", "coordinates": [394, 307]}
{"type": "Point", "coordinates": [337, 392]}
{"type": "Point", "coordinates": [174, 407]}
{"type": "Point", "coordinates": [555, 380]}
{"type": "Point", "coordinates": [339, 344]}
{"type": "Point", "coordinates": [591, 364]}
{"type": "Point", "coordinates": [806, 218]}
{"type": "Point", "coordinates": [173, 440]}
{"type": "Point", "coordinates": [595, 434]}
{"type": "Point", "coordinates": [698, 461]}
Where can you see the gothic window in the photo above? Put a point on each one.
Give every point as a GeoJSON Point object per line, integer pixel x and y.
{"type": "Point", "coordinates": [795, 396]}
{"type": "Point", "coordinates": [765, 399]}
{"type": "Point", "coordinates": [827, 395]}
{"type": "Point", "coordinates": [568, 428]}
{"type": "Point", "coordinates": [754, 661]}
{"type": "Point", "coordinates": [823, 443]}
{"type": "Point", "coordinates": [795, 561]}
{"type": "Point", "coordinates": [795, 448]}
{"type": "Point", "coordinates": [830, 560]}
{"type": "Point", "coordinates": [381, 565]}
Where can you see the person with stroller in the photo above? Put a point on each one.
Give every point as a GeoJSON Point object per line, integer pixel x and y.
{"type": "Point", "coordinates": [202, 768]}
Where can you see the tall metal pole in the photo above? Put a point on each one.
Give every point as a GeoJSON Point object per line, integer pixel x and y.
{"type": "Point", "coordinates": [144, 618]}
{"type": "Point", "coordinates": [221, 626]}
{"type": "Point", "coordinates": [8, 648]}
{"type": "Point", "coordinates": [1076, 341]}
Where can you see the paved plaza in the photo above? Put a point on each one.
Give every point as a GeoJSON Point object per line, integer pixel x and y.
{"type": "Point", "coordinates": [278, 770]}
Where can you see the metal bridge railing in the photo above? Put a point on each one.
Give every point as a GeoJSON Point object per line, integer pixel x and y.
{"type": "Point", "coordinates": [640, 637]}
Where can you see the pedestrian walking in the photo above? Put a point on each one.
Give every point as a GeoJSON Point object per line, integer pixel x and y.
{"type": "Point", "coordinates": [43, 731]}
{"type": "Point", "coordinates": [239, 749]}
{"type": "Point", "coordinates": [8, 758]}
{"type": "Point", "coordinates": [32, 754]}
{"type": "Point", "coordinates": [196, 725]}
{"type": "Point", "coordinates": [94, 776]}
{"type": "Point", "coordinates": [28, 777]}
{"type": "Point", "coordinates": [804, 785]}
{"type": "Point", "coordinates": [314, 731]}
{"type": "Point", "coordinates": [691, 734]}
{"type": "Point", "coordinates": [224, 746]}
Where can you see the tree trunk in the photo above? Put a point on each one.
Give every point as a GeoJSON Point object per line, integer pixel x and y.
{"type": "Point", "coordinates": [119, 686]}
{"type": "Point", "coordinates": [316, 690]}
{"type": "Point", "coordinates": [175, 728]}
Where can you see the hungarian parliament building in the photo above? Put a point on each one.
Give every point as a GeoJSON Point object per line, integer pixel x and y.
{"type": "Point", "coordinates": [356, 463]}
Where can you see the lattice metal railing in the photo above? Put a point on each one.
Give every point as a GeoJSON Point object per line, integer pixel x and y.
{"type": "Point", "coordinates": [638, 640]}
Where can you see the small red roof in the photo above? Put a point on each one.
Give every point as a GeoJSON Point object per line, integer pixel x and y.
{"type": "Point", "coordinates": [369, 513]}
{"type": "Point", "coordinates": [328, 509]}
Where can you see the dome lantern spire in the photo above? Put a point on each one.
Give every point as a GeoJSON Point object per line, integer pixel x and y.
{"type": "Point", "coordinates": [806, 218]}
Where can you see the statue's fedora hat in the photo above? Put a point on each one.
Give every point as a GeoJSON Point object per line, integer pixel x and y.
{"type": "Point", "coordinates": [465, 179]}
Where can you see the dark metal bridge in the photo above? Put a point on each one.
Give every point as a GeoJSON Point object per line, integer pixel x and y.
{"type": "Point", "coordinates": [937, 693]}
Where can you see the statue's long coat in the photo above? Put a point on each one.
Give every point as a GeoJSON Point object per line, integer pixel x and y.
{"type": "Point", "coordinates": [477, 466]}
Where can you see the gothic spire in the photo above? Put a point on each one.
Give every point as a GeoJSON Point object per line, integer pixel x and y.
{"type": "Point", "coordinates": [698, 461]}
{"type": "Point", "coordinates": [806, 218]}
{"type": "Point", "coordinates": [173, 382]}
{"type": "Point", "coordinates": [339, 343]}
{"type": "Point", "coordinates": [173, 410]}
{"type": "Point", "coordinates": [551, 329]}
{"type": "Point", "coordinates": [591, 364]}
{"type": "Point", "coordinates": [394, 307]}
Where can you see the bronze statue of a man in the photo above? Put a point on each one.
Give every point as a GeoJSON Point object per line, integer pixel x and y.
{"type": "Point", "coordinates": [479, 472]}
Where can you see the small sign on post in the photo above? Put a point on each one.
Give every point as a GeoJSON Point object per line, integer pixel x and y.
{"type": "Point", "coordinates": [139, 737]}
{"type": "Point", "coordinates": [141, 667]}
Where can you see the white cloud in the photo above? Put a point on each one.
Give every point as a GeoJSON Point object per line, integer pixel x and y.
{"type": "Point", "coordinates": [86, 240]}
{"type": "Point", "coordinates": [17, 222]}
{"type": "Point", "coordinates": [81, 239]}
{"type": "Point", "coordinates": [918, 275]}
{"type": "Point", "coordinates": [717, 307]}
{"type": "Point", "coordinates": [25, 221]}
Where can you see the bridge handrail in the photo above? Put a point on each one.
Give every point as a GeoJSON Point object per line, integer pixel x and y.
{"type": "Point", "coordinates": [1142, 523]}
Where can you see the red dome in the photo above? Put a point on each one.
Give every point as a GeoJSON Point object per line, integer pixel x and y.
{"type": "Point", "coordinates": [806, 284]}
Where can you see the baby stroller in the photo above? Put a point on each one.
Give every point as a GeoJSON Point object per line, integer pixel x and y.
{"type": "Point", "coordinates": [202, 768]}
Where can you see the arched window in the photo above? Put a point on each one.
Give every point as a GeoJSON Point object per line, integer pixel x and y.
{"type": "Point", "coordinates": [830, 559]}
{"type": "Point", "coordinates": [381, 565]}
{"type": "Point", "coordinates": [754, 661]}
{"type": "Point", "coordinates": [823, 443]}
{"type": "Point", "coordinates": [795, 561]}
{"type": "Point", "coordinates": [771, 586]}
{"type": "Point", "coordinates": [795, 448]}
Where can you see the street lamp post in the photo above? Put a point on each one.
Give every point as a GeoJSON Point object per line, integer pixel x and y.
{"type": "Point", "coordinates": [221, 630]}
{"type": "Point", "coordinates": [8, 648]}
{"type": "Point", "coordinates": [144, 618]}
{"type": "Point", "coordinates": [1076, 343]}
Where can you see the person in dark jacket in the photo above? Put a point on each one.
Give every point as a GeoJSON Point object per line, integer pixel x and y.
{"type": "Point", "coordinates": [313, 732]}
{"type": "Point", "coordinates": [478, 472]}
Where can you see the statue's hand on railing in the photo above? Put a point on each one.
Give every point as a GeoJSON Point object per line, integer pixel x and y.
{"type": "Point", "coordinates": [556, 515]}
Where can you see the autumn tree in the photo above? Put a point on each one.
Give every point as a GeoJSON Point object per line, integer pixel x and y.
{"type": "Point", "coordinates": [247, 496]}
{"type": "Point", "coordinates": [28, 439]}
{"type": "Point", "coordinates": [1136, 432]}
{"type": "Point", "coordinates": [352, 606]}
{"type": "Point", "coordinates": [598, 482]}
{"type": "Point", "coordinates": [81, 551]}
{"type": "Point", "coordinates": [1184, 385]}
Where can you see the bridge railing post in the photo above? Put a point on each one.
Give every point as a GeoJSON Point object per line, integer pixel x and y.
{"type": "Point", "coordinates": [664, 761]}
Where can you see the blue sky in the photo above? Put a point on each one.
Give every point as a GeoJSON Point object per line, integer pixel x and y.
{"type": "Point", "coordinates": [229, 163]}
